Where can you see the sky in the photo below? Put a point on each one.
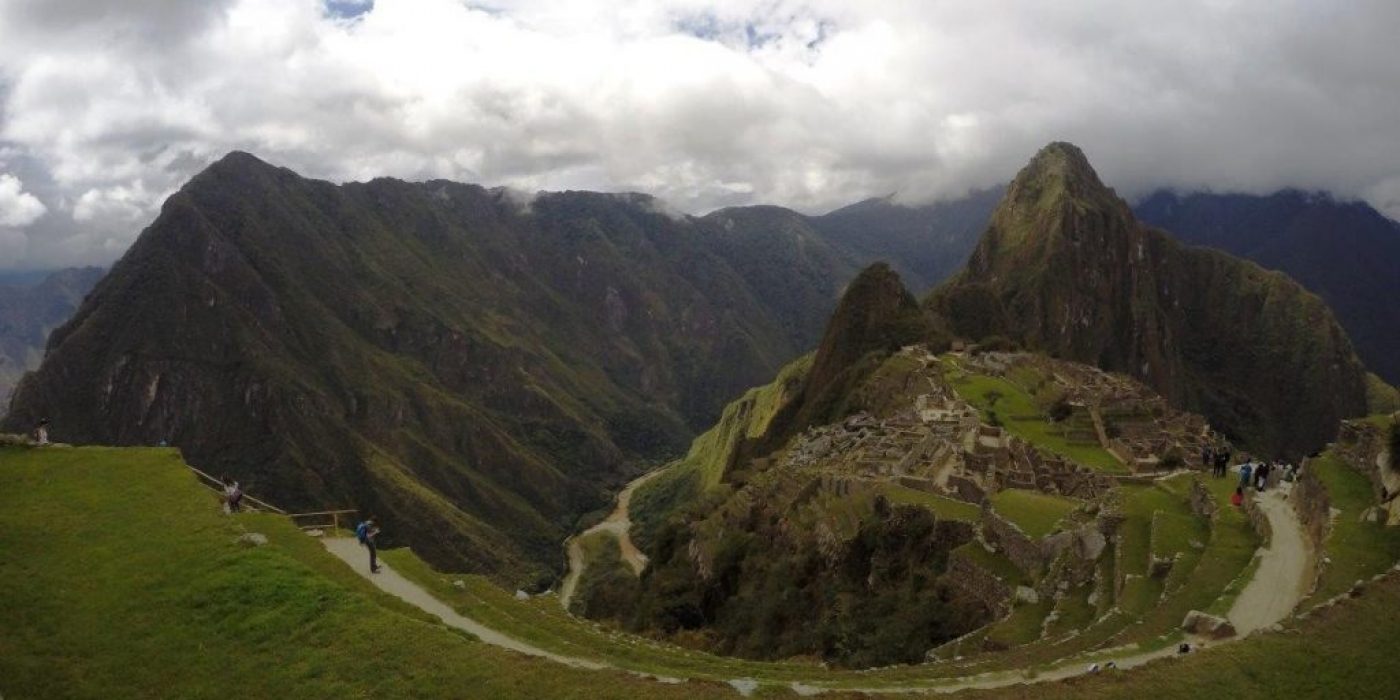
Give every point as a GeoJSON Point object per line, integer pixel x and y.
{"type": "Point", "coordinates": [106, 108]}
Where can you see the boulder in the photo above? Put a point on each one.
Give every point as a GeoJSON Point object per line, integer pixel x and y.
{"type": "Point", "coordinates": [1027, 595]}
{"type": "Point", "coordinates": [252, 539]}
{"type": "Point", "coordinates": [1207, 625]}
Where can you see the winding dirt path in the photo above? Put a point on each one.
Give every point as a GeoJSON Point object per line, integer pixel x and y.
{"type": "Point", "coordinates": [1277, 587]}
{"type": "Point", "coordinates": [619, 524]}
{"type": "Point", "coordinates": [1282, 579]}
{"type": "Point", "coordinates": [349, 550]}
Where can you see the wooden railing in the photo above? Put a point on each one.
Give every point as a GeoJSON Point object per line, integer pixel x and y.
{"type": "Point", "coordinates": [325, 519]}
{"type": "Point", "coordinates": [328, 519]}
{"type": "Point", "coordinates": [218, 486]}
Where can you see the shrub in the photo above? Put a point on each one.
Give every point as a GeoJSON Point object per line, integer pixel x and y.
{"type": "Point", "coordinates": [1060, 410]}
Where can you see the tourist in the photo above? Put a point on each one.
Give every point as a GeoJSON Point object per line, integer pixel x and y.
{"type": "Point", "coordinates": [367, 533]}
{"type": "Point", "coordinates": [1207, 456]}
{"type": "Point", "coordinates": [41, 432]}
{"type": "Point", "coordinates": [1246, 473]}
{"type": "Point", "coordinates": [233, 495]}
{"type": "Point", "coordinates": [1237, 498]}
{"type": "Point", "coordinates": [1261, 476]}
{"type": "Point", "coordinates": [1222, 462]}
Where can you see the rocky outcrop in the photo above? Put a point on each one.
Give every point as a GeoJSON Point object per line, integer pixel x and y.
{"type": "Point", "coordinates": [1208, 626]}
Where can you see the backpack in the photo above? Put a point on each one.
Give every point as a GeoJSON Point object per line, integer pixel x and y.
{"type": "Point", "coordinates": [362, 532]}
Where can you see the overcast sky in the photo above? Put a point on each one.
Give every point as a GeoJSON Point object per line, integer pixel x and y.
{"type": "Point", "coordinates": [107, 107]}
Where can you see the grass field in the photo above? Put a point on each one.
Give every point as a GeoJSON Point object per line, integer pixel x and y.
{"type": "Point", "coordinates": [1356, 549]}
{"type": "Point", "coordinates": [1022, 417]}
{"type": "Point", "coordinates": [1037, 514]}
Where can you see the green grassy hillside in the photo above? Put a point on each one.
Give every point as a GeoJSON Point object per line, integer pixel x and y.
{"type": "Point", "coordinates": [121, 579]}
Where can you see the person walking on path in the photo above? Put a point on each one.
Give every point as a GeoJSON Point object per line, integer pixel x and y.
{"type": "Point", "coordinates": [1207, 456]}
{"type": "Point", "coordinates": [367, 533]}
{"type": "Point", "coordinates": [1222, 462]}
{"type": "Point", "coordinates": [1237, 498]}
{"type": "Point", "coordinates": [1247, 473]}
{"type": "Point", "coordinates": [1261, 476]}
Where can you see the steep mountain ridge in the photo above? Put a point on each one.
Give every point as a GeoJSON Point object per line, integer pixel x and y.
{"type": "Point", "coordinates": [1065, 268]}
{"type": "Point", "coordinates": [476, 370]}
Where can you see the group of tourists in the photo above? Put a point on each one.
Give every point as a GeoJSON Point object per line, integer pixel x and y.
{"type": "Point", "coordinates": [1253, 473]}
{"type": "Point", "coordinates": [1256, 475]}
{"type": "Point", "coordinates": [1217, 458]}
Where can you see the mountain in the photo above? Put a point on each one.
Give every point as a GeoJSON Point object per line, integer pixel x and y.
{"type": "Point", "coordinates": [477, 368]}
{"type": "Point", "coordinates": [1345, 252]}
{"type": "Point", "coordinates": [1064, 267]}
{"type": "Point", "coordinates": [30, 310]}
{"type": "Point", "coordinates": [925, 244]}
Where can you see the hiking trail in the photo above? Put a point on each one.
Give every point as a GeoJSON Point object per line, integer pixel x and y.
{"type": "Point", "coordinates": [1282, 580]}
{"type": "Point", "coordinates": [619, 524]}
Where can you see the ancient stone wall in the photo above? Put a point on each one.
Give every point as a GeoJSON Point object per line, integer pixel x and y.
{"type": "Point", "coordinates": [1027, 554]}
{"type": "Point", "coordinates": [966, 575]}
{"type": "Point", "coordinates": [1314, 508]}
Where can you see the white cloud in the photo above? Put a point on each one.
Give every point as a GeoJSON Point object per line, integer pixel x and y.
{"type": "Point", "coordinates": [17, 207]}
{"type": "Point", "coordinates": [704, 103]}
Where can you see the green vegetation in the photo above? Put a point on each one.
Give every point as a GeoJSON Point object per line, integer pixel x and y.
{"type": "Point", "coordinates": [702, 470]}
{"type": "Point", "coordinates": [121, 578]}
{"type": "Point", "coordinates": [1022, 626]}
{"type": "Point", "coordinates": [1037, 514]}
{"type": "Point", "coordinates": [947, 508]}
{"type": "Point", "coordinates": [994, 562]}
{"type": "Point", "coordinates": [1016, 410]}
{"type": "Point", "coordinates": [1356, 549]}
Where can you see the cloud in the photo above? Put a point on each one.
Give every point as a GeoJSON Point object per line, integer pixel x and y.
{"type": "Point", "coordinates": [703, 103]}
{"type": "Point", "coordinates": [17, 207]}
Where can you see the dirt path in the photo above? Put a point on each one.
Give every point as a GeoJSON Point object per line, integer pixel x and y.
{"type": "Point", "coordinates": [619, 524]}
{"type": "Point", "coordinates": [393, 583]}
{"type": "Point", "coordinates": [1282, 579]}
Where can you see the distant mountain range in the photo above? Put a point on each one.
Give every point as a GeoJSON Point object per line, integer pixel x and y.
{"type": "Point", "coordinates": [32, 305]}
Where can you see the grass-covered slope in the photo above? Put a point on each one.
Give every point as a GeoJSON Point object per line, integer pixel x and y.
{"type": "Point", "coordinates": [120, 578]}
